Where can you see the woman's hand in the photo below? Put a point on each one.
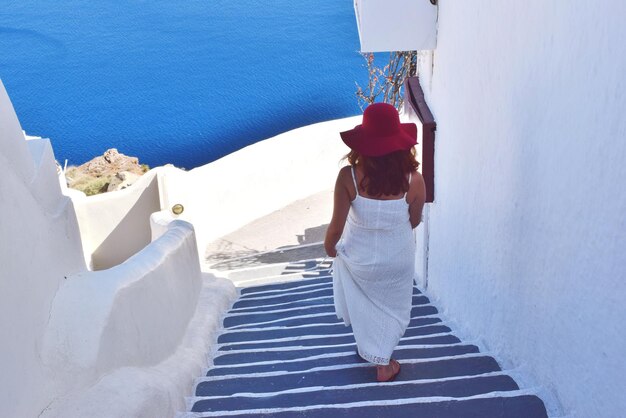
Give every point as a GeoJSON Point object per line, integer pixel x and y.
{"type": "Point", "coordinates": [331, 251]}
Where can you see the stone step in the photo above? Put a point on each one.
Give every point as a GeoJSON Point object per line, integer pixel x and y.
{"type": "Point", "coordinates": [247, 268]}
{"type": "Point", "coordinates": [291, 353]}
{"type": "Point", "coordinates": [496, 405]}
{"type": "Point", "coordinates": [456, 387]}
{"type": "Point", "coordinates": [272, 333]}
{"type": "Point", "coordinates": [346, 375]}
{"type": "Point", "coordinates": [401, 353]}
{"type": "Point", "coordinates": [281, 312]}
{"type": "Point", "coordinates": [265, 307]}
{"type": "Point", "coordinates": [315, 319]}
{"type": "Point", "coordinates": [304, 287]}
{"type": "Point", "coordinates": [322, 300]}
{"type": "Point", "coordinates": [323, 277]}
{"type": "Point", "coordinates": [320, 277]}
{"type": "Point", "coordinates": [326, 340]}
{"type": "Point", "coordinates": [292, 297]}
{"type": "Point", "coordinates": [281, 278]}
{"type": "Point", "coordinates": [323, 318]}
{"type": "Point", "coordinates": [241, 319]}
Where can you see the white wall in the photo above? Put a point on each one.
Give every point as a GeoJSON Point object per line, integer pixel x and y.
{"type": "Point", "coordinates": [156, 391]}
{"type": "Point", "coordinates": [226, 194]}
{"type": "Point", "coordinates": [82, 343]}
{"type": "Point", "coordinates": [116, 225]}
{"type": "Point", "coordinates": [527, 233]}
{"type": "Point", "coordinates": [39, 248]}
{"type": "Point", "coordinates": [134, 314]}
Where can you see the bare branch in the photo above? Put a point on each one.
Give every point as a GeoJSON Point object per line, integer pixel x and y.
{"type": "Point", "coordinates": [387, 81]}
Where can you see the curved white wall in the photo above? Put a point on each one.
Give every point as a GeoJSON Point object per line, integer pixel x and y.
{"type": "Point", "coordinates": [134, 314]}
{"type": "Point", "coordinates": [527, 234]}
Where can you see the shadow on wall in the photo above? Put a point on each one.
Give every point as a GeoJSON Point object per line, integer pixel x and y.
{"type": "Point", "coordinates": [311, 240]}
{"type": "Point", "coordinates": [313, 235]}
{"type": "Point", "coordinates": [131, 234]}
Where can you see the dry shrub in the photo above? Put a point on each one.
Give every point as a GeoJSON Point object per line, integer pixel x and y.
{"type": "Point", "coordinates": [386, 83]}
{"type": "Point", "coordinates": [87, 184]}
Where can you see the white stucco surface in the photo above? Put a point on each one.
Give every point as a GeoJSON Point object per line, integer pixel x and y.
{"type": "Point", "coordinates": [157, 391]}
{"type": "Point", "coordinates": [396, 25]}
{"type": "Point", "coordinates": [125, 341]}
{"type": "Point", "coordinates": [228, 193]}
{"type": "Point", "coordinates": [134, 314]}
{"type": "Point", "coordinates": [39, 247]}
{"type": "Point", "coordinates": [116, 225]}
{"type": "Point", "coordinates": [527, 232]}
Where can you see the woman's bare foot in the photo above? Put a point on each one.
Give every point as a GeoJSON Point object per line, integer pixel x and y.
{"type": "Point", "coordinates": [389, 372]}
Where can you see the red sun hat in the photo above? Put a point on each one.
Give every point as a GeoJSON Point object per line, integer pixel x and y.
{"type": "Point", "coordinates": [381, 132]}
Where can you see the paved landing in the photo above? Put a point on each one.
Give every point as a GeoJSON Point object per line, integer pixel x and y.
{"type": "Point", "coordinates": [291, 233]}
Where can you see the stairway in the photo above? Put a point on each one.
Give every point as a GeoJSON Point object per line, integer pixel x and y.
{"type": "Point", "coordinates": [283, 353]}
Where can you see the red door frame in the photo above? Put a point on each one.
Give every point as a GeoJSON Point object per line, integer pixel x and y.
{"type": "Point", "coordinates": [415, 103]}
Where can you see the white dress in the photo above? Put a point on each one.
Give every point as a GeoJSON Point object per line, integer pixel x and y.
{"type": "Point", "coordinates": [373, 274]}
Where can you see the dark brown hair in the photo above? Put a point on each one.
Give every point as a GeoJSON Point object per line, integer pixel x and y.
{"type": "Point", "coordinates": [387, 174]}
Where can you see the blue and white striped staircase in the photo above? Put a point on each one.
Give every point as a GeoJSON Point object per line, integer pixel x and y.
{"type": "Point", "coordinates": [283, 353]}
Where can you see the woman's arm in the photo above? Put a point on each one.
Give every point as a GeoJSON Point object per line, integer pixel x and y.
{"type": "Point", "coordinates": [417, 191]}
{"type": "Point", "coordinates": [341, 207]}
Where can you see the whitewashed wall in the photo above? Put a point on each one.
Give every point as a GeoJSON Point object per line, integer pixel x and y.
{"type": "Point", "coordinates": [114, 226]}
{"type": "Point", "coordinates": [528, 231]}
{"type": "Point", "coordinates": [134, 314]}
{"type": "Point", "coordinates": [226, 194]}
{"type": "Point", "coordinates": [124, 341]}
{"type": "Point", "coordinates": [39, 248]}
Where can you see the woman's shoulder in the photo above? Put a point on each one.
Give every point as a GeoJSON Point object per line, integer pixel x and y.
{"type": "Point", "coordinates": [345, 170]}
{"type": "Point", "coordinates": [345, 173]}
{"type": "Point", "coordinates": [417, 187]}
{"type": "Point", "coordinates": [345, 178]}
{"type": "Point", "coordinates": [416, 177]}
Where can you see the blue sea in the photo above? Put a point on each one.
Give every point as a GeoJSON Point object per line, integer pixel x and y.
{"type": "Point", "coordinates": [182, 82]}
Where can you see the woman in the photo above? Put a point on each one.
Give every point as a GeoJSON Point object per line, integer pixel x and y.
{"type": "Point", "coordinates": [378, 201]}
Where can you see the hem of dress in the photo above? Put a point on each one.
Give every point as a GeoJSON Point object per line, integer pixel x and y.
{"type": "Point", "coordinates": [381, 361]}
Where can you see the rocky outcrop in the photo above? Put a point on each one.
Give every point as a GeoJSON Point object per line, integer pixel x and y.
{"type": "Point", "coordinates": [111, 163]}
{"type": "Point", "coordinates": [122, 180]}
{"type": "Point", "coordinates": [109, 172]}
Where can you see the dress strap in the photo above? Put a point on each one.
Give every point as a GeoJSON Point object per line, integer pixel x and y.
{"type": "Point", "coordinates": [356, 187]}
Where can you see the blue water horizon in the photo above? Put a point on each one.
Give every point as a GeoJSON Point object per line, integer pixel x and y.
{"type": "Point", "coordinates": [176, 82]}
